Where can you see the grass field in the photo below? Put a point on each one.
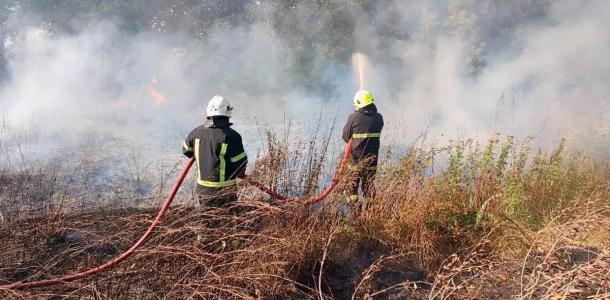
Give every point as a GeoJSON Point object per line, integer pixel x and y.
{"type": "Point", "coordinates": [494, 220]}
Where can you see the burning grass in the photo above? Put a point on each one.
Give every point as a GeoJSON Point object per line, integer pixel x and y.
{"type": "Point", "coordinates": [497, 222]}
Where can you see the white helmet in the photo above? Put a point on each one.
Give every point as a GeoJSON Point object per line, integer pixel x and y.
{"type": "Point", "coordinates": [219, 106]}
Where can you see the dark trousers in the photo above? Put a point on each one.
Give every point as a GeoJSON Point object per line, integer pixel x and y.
{"type": "Point", "coordinates": [362, 177]}
{"type": "Point", "coordinates": [216, 197]}
{"type": "Point", "coordinates": [222, 203]}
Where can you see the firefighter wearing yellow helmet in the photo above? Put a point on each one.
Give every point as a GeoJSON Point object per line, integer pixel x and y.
{"type": "Point", "coordinates": [220, 155]}
{"type": "Point", "coordinates": [363, 98]}
{"type": "Point", "coordinates": [363, 127]}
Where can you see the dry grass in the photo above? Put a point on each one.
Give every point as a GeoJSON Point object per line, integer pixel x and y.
{"type": "Point", "coordinates": [496, 222]}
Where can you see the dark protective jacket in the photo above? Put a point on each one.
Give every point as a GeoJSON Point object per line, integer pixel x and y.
{"type": "Point", "coordinates": [219, 153]}
{"type": "Point", "coordinates": [364, 128]}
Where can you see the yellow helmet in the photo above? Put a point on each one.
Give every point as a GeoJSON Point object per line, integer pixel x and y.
{"type": "Point", "coordinates": [363, 98]}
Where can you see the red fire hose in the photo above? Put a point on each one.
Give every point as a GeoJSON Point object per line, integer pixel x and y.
{"type": "Point", "coordinates": [315, 199]}
{"type": "Point", "coordinates": [116, 260]}
{"type": "Point", "coordinates": [164, 208]}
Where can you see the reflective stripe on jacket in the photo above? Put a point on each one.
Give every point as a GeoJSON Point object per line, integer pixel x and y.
{"type": "Point", "coordinates": [364, 128]}
{"type": "Point", "coordinates": [219, 153]}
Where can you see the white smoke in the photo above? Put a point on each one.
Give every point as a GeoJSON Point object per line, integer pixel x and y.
{"type": "Point", "coordinates": [550, 82]}
{"type": "Point", "coordinates": [550, 79]}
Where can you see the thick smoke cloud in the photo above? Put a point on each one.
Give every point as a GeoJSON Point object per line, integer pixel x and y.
{"type": "Point", "coordinates": [456, 68]}
{"type": "Point", "coordinates": [547, 81]}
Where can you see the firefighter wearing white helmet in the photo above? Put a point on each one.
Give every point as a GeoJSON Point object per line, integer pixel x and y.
{"type": "Point", "coordinates": [219, 154]}
{"type": "Point", "coordinates": [363, 127]}
{"type": "Point", "coordinates": [219, 107]}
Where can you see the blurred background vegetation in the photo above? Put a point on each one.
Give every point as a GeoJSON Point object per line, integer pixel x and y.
{"type": "Point", "coordinates": [319, 32]}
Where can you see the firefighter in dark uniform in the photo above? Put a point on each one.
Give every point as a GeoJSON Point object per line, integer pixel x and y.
{"type": "Point", "coordinates": [219, 155]}
{"type": "Point", "coordinates": [364, 129]}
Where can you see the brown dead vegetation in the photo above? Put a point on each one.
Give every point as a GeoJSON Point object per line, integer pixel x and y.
{"type": "Point", "coordinates": [496, 223]}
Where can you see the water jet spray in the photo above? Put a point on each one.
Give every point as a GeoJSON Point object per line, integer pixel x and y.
{"type": "Point", "coordinates": [358, 63]}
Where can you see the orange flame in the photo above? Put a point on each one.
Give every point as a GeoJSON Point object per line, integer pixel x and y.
{"type": "Point", "coordinates": [156, 95]}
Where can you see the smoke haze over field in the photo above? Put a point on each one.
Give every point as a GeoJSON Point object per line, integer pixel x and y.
{"type": "Point", "coordinates": [457, 68]}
